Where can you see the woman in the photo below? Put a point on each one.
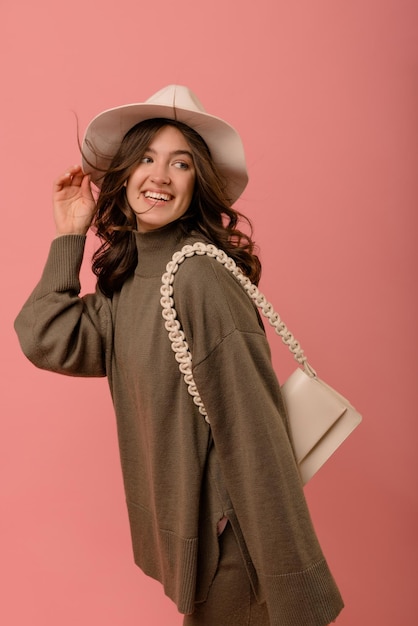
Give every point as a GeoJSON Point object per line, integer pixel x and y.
{"type": "Point", "coordinates": [217, 513]}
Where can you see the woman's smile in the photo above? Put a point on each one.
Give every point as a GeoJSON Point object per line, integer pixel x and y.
{"type": "Point", "coordinates": [155, 195]}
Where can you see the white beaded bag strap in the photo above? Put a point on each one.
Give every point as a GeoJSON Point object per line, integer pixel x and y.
{"type": "Point", "coordinates": [176, 334]}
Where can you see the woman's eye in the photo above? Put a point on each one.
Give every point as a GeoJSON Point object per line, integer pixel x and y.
{"type": "Point", "coordinates": [181, 165]}
{"type": "Point", "coordinates": [146, 159]}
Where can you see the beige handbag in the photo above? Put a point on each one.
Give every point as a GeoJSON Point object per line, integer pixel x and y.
{"type": "Point", "coordinates": [320, 418]}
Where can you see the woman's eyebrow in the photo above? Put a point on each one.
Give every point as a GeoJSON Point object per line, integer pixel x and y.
{"type": "Point", "coordinates": [180, 152]}
{"type": "Point", "coordinates": [173, 152]}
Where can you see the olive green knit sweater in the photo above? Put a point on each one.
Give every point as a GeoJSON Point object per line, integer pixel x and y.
{"type": "Point", "coordinates": [180, 475]}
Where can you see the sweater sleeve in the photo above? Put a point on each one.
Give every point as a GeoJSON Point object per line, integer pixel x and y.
{"type": "Point", "coordinates": [58, 330]}
{"type": "Point", "coordinates": [234, 375]}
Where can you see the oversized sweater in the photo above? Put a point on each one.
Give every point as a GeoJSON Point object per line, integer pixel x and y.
{"type": "Point", "coordinates": [180, 474]}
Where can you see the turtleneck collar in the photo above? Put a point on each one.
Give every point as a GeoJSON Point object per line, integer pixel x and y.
{"type": "Point", "coordinates": [156, 247]}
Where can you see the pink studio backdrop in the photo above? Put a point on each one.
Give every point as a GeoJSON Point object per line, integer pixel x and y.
{"type": "Point", "coordinates": [324, 93]}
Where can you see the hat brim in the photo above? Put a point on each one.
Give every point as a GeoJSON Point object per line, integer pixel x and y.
{"type": "Point", "coordinates": [106, 131]}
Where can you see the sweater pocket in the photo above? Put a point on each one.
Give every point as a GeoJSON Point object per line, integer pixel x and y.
{"type": "Point", "coordinates": [165, 556]}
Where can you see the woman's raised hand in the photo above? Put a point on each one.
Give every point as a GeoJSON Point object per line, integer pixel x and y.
{"type": "Point", "coordinates": [73, 201]}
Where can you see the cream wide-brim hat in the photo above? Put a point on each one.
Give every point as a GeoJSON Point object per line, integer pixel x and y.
{"type": "Point", "coordinates": [105, 132]}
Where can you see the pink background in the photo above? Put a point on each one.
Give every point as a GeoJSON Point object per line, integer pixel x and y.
{"type": "Point", "coordinates": [324, 94]}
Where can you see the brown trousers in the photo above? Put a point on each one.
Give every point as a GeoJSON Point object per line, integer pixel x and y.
{"type": "Point", "coordinates": [231, 601]}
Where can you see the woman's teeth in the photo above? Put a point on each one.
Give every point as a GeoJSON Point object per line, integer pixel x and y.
{"type": "Point", "coordinates": [157, 196]}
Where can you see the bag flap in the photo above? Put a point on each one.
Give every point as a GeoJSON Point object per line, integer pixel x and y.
{"type": "Point", "coordinates": [312, 410]}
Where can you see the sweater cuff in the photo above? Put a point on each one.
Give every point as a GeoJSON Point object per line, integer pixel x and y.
{"type": "Point", "coordinates": [308, 597]}
{"type": "Point", "coordinates": [61, 272]}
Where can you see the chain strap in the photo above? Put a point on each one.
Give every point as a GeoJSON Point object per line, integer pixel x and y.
{"type": "Point", "coordinates": [176, 335]}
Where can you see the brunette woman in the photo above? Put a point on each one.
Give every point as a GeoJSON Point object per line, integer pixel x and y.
{"type": "Point", "coordinates": [217, 512]}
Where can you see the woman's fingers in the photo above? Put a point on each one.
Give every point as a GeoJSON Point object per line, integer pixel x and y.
{"type": "Point", "coordinates": [77, 177]}
{"type": "Point", "coordinates": [62, 181]}
{"type": "Point", "coordinates": [73, 176]}
{"type": "Point", "coordinates": [85, 185]}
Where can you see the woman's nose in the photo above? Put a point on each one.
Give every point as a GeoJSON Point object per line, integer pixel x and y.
{"type": "Point", "coordinates": [159, 175]}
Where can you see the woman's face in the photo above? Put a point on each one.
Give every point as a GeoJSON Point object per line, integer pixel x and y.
{"type": "Point", "coordinates": [160, 189]}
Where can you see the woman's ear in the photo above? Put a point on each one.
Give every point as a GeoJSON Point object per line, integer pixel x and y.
{"type": "Point", "coordinates": [125, 183]}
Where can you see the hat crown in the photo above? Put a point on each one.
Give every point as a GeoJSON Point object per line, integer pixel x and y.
{"type": "Point", "coordinates": [177, 96]}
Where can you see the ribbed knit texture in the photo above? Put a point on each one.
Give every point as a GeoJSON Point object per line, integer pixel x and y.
{"type": "Point", "coordinates": [303, 598]}
{"type": "Point", "coordinates": [180, 476]}
{"type": "Point", "coordinates": [63, 264]}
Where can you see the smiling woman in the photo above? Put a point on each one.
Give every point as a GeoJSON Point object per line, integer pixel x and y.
{"type": "Point", "coordinates": [202, 516]}
{"type": "Point", "coordinates": [160, 189]}
{"type": "Point", "coordinates": [121, 210]}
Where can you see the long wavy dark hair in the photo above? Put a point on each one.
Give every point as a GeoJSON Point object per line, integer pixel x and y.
{"type": "Point", "coordinates": [209, 212]}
